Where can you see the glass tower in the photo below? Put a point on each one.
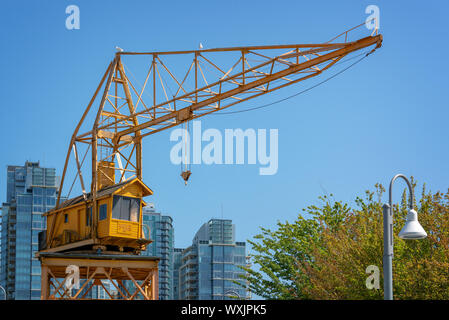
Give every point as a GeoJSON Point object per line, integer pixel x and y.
{"type": "Point", "coordinates": [162, 234]}
{"type": "Point", "coordinates": [177, 262]}
{"type": "Point", "coordinates": [212, 263]}
{"type": "Point", "coordinates": [2, 292]}
{"type": "Point", "coordinates": [31, 190]}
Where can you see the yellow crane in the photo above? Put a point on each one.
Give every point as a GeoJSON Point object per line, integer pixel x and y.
{"type": "Point", "coordinates": [109, 217]}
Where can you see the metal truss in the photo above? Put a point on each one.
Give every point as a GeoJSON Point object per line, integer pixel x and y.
{"type": "Point", "coordinates": [179, 86]}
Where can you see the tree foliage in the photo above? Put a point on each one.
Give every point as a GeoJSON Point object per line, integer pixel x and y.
{"type": "Point", "coordinates": [325, 252]}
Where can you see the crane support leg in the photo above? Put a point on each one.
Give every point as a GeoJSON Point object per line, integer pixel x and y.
{"type": "Point", "coordinates": [73, 276]}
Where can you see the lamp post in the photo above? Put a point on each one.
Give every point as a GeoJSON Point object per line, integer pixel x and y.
{"type": "Point", "coordinates": [412, 230]}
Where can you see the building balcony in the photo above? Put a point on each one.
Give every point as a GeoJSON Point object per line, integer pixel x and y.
{"type": "Point", "coordinates": [188, 281]}
{"type": "Point", "coordinates": [190, 261]}
{"type": "Point", "coordinates": [190, 254]}
{"type": "Point", "coordinates": [191, 270]}
{"type": "Point", "coordinates": [189, 278]}
{"type": "Point", "coordinates": [192, 288]}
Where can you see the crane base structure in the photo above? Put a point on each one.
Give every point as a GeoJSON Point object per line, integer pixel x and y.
{"type": "Point", "coordinates": [74, 276]}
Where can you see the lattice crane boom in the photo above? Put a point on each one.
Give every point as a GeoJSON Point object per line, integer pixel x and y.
{"type": "Point", "coordinates": [211, 80]}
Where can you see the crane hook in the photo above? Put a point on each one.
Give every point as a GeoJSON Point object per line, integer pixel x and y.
{"type": "Point", "coordinates": [186, 175]}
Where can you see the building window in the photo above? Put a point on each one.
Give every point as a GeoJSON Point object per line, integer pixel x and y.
{"type": "Point", "coordinates": [50, 192]}
{"type": "Point", "coordinates": [51, 201]}
{"type": "Point", "coordinates": [126, 208]}
{"type": "Point", "coordinates": [37, 200]}
{"type": "Point", "coordinates": [66, 218]}
{"type": "Point", "coordinates": [103, 211]}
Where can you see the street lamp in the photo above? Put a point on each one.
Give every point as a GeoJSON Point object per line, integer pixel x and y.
{"type": "Point", "coordinates": [412, 230]}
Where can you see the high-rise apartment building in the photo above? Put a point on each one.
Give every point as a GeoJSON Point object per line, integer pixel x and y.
{"type": "Point", "coordinates": [177, 262]}
{"type": "Point", "coordinates": [31, 190]}
{"type": "Point", "coordinates": [162, 234]}
{"type": "Point", "coordinates": [212, 263]}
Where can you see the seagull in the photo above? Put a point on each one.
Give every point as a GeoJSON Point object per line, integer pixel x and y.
{"type": "Point", "coordinates": [119, 49]}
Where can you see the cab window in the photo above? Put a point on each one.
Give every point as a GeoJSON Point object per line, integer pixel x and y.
{"type": "Point", "coordinates": [103, 211]}
{"type": "Point", "coordinates": [126, 208]}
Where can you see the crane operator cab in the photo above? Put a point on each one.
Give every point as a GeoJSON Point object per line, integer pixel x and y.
{"type": "Point", "coordinates": [118, 227]}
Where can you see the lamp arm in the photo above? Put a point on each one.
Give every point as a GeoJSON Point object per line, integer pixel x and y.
{"type": "Point", "coordinates": [411, 198]}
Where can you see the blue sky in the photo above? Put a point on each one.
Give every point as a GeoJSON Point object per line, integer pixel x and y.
{"type": "Point", "coordinates": [388, 114]}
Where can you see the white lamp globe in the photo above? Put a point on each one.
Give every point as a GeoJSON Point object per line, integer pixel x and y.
{"type": "Point", "coordinates": [412, 229]}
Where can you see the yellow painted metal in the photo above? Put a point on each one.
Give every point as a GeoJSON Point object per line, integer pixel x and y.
{"type": "Point", "coordinates": [106, 174]}
{"type": "Point", "coordinates": [72, 224]}
{"type": "Point", "coordinates": [124, 229]}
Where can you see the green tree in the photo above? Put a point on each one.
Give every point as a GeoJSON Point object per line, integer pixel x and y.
{"type": "Point", "coordinates": [325, 255]}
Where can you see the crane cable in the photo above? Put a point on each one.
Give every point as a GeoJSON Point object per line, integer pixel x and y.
{"type": "Point", "coordinates": [303, 91]}
{"type": "Point", "coordinates": [185, 174]}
